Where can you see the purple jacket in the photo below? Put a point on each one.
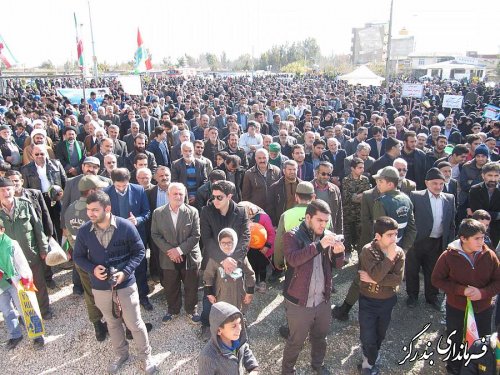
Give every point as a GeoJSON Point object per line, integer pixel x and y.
{"type": "Point", "coordinates": [300, 251]}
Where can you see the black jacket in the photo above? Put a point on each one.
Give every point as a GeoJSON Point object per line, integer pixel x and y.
{"type": "Point", "coordinates": [55, 174]}
{"type": "Point", "coordinates": [419, 166]}
{"type": "Point", "coordinates": [212, 222]}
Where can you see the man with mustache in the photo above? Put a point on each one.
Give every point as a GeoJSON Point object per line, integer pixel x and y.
{"type": "Point", "coordinates": [486, 196]}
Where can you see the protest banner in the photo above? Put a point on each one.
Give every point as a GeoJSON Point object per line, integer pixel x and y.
{"type": "Point", "coordinates": [452, 101]}
{"type": "Point", "coordinates": [491, 112]}
{"type": "Point", "coordinates": [131, 84]}
{"type": "Point", "coordinates": [412, 90]}
{"type": "Point", "coordinates": [76, 95]}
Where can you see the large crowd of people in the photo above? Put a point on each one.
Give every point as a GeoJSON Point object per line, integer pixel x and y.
{"type": "Point", "coordinates": [234, 183]}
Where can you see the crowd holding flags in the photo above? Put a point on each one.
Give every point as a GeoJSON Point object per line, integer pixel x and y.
{"type": "Point", "coordinates": [6, 55]}
{"type": "Point", "coordinates": [142, 58]}
{"type": "Point", "coordinates": [79, 46]}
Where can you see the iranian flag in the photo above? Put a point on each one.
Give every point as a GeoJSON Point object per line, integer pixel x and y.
{"type": "Point", "coordinates": [79, 46]}
{"type": "Point", "coordinates": [142, 59]}
{"type": "Point", "coordinates": [470, 328]}
{"type": "Point", "coordinates": [6, 57]}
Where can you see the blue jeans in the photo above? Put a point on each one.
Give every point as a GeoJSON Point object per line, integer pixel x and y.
{"type": "Point", "coordinates": [142, 280]}
{"type": "Point", "coordinates": [374, 319]}
{"type": "Point", "coordinates": [205, 314]}
{"type": "Point", "coordinates": [8, 299]}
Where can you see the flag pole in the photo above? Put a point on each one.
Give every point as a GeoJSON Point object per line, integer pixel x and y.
{"type": "Point", "coordinates": [94, 58]}
{"type": "Point", "coordinates": [79, 52]}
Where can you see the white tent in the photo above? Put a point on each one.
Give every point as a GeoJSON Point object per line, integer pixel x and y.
{"type": "Point", "coordinates": [362, 76]}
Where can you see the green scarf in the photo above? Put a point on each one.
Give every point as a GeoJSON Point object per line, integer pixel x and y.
{"type": "Point", "coordinates": [6, 258]}
{"type": "Point", "coordinates": [78, 150]}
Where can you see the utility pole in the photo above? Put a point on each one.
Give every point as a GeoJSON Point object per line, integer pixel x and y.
{"type": "Point", "coordinates": [388, 54]}
{"type": "Point", "coordinates": [94, 58]}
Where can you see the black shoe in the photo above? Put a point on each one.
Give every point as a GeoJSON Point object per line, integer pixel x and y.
{"type": "Point", "coordinates": [48, 315]}
{"type": "Point", "coordinates": [12, 343]}
{"type": "Point", "coordinates": [51, 284]}
{"type": "Point", "coordinates": [39, 342]}
{"type": "Point", "coordinates": [370, 371]}
{"type": "Point", "coordinates": [411, 302]}
{"type": "Point", "coordinates": [147, 305]}
{"type": "Point", "coordinates": [347, 257]}
{"type": "Point", "coordinates": [128, 333]}
{"type": "Point", "coordinates": [77, 291]}
{"type": "Point", "coordinates": [435, 305]}
{"type": "Point", "coordinates": [100, 331]}
{"type": "Point", "coordinates": [275, 276]}
{"type": "Point", "coordinates": [321, 370]}
{"type": "Point", "coordinates": [284, 332]}
{"type": "Point", "coordinates": [341, 312]}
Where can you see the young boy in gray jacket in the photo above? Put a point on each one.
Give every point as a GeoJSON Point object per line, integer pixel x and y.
{"type": "Point", "coordinates": [228, 351]}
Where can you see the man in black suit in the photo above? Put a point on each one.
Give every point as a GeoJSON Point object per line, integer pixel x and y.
{"type": "Point", "coordinates": [147, 123]}
{"type": "Point", "coordinates": [130, 138]}
{"type": "Point", "coordinates": [435, 220]}
{"type": "Point", "coordinates": [53, 174]}
{"type": "Point", "coordinates": [415, 158]}
{"type": "Point", "coordinates": [126, 124]}
{"type": "Point", "coordinates": [119, 147]}
{"type": "Point", "coordinates": [70, 152]}
{"type": "Point", "coordinates": [157, 197]}
{"type": "Point", "coordinates": [336, 157]}
{"type": "Point", "coordinates": [159, 146]}
{"type": "Point", "coordinates": [450, 184]}
{"type": "Point", "coordinates": [221, 120]}
{"type": "Point", "coordinates": [140, 147]}
{"type": "Point", "coordinates": [377, 143]}
{"type": "Point", "coordinates": [486, 196]}
{"type": "Point", "coordinates": [392, 151]}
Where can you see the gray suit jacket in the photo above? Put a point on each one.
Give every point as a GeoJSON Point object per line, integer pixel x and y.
{"type": "Point", "coordinates": [186, 235]}
{"type": "Point", "coordinates": [424, 218]}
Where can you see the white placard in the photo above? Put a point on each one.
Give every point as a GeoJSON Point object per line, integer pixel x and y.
{"type": "Point", "coordinates": [453, 101]}
{"type": "Point", "coordinates": [412, 90]}
{"type": "Point", "coordinates": [131, 84]}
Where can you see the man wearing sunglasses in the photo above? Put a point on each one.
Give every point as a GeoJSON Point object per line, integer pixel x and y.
{"type": "Point", "coordinates": [330, 193]}
{"type": "Point", "coordinates": [222, 212]}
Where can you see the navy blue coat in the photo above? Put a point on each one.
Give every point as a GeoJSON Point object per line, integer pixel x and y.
{"type": "Point", "coordinates": [138, 203]}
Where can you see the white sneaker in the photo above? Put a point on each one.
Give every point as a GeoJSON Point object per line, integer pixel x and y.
{"type": "Point", "coordinates": [149, 366]}
{"type": "Point", "coordinates": [116, 364]}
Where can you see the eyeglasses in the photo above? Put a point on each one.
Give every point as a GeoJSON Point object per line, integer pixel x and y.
{"type": "Point", "coordinates": [224, 243]}
{"type": "Point", "coordinates": [218, 197]}
{"type": "Point", "coordinates": [324, 174]}
{"type": "Point", "coordinates": [402, 170]}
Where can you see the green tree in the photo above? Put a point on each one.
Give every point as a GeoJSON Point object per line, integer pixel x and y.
{"type": "Point", "coordinates": [47, 64]}
{"type": "Point", "coordinates": [103, 67]}
{"type": "Point", "coordinates": [296, 67]}
{"type": "Point", "coordinates": [224, 61]}
{"type": "Point", "coordinates": [212, 61]}
{"type": "Point", "coordinates": [181, 62]}
{"type": "Point", "coordinates": [190, 60]}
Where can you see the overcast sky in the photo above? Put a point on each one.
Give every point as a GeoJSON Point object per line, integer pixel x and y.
{"type": "Point", "coordinates": [36, 31]}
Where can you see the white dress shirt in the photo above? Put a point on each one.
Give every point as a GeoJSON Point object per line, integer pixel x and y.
{"type": "Point", "coordinates": [437, 214]}
{"type": "Point", "coordinates": [42, 174]}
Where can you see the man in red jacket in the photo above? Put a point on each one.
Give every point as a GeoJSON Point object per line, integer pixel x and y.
{"type": "Point", "coordinates": [310, 254]}
{"type": "Point", "coordinates": [467, 269]}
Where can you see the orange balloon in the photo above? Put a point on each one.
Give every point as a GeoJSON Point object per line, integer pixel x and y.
{"type": "Point", "coordinates": [258, 236]}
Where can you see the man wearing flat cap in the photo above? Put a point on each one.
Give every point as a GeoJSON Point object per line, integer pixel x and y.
{"type": "Point", "coordinates": [90, 166]}
{"type": "Point", "coordinates": [70, 152]}
{"type": "Point", "coordinates": [434, 213]}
